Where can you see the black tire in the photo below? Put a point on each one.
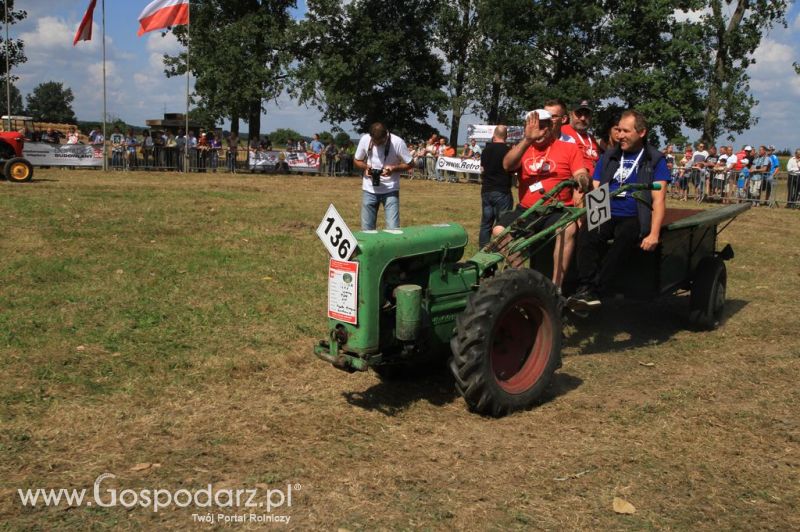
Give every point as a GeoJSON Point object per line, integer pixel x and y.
{"type": "Point", "coordinates": [708, 294]}
{"type": "Point", "coordinates": [6, 151]}
{"type": "Point", "coordinates": [507, 343]}
{"type": "Point", "coordinates": [18, 170]}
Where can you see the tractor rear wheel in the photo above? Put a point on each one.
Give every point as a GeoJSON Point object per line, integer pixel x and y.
{"type": "Point", "coordinates": [507, 343]}
{"type": "Point", "coordinates": [708, 294]}
{"type": "Point", "coordinates": [18, 170]}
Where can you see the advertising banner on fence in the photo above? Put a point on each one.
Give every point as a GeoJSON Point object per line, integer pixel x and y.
{"type": "Point", "coordinates": [302, 162]}
{"type": "Point", "coordinates": [274, 161]}
{"type": "Point", "coordinates": [455, 164]}
{"type": "Point", "coordinates": [265, 160]}
{"type": "Point", "coordinates": [46, 154]}
{"type": "Point", "coordinates": [483, 133]}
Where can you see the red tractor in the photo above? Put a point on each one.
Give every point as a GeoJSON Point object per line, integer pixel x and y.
{"type": "Point", "coordinates": [16, 168]}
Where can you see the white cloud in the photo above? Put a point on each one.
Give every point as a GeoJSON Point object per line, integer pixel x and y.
{"type": "Point", "coordinates": [691, 16]}
{"type": "Point", "coordinates": [772, 58]}
{"type": "Point", "coordinates": [168, 44]}
{"type": "Point", "coordinates": [53, 33]}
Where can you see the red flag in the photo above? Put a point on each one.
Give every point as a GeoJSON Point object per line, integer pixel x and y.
{"type": "Point", "coordinates": [162, 14]}
{"type": "Point", "coordinates": [85, 29]}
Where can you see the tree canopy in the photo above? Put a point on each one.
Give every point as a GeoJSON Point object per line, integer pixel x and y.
{"type": "Point", "coordinates": [51, 102]}
{"type": "Point", "coordinates": [15, 47]}
{"type": "Point", "coordinates": [239, 54]}
{"type": "Point", "coordinates": [407, 63]}
{"type": "Point", "coordinates": [17, 107]}
{"type": "Point", "coordinates": [369, 61]}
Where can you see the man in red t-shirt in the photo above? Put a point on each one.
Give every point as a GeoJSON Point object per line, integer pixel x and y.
{"type": "Point", "coordinates": [580, 118]}
{"type": "Point", "coordinates": [544, 161]}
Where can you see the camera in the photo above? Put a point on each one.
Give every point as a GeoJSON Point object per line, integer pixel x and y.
{"type": "Point", "coordinates": [375, 174]}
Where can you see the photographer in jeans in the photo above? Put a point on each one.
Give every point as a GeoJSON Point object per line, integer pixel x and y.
{"type": "Point", "coordinates": [381, 156]}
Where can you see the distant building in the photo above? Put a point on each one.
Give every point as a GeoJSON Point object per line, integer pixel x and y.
{"type": "Point", "coordinates": [172, 123]}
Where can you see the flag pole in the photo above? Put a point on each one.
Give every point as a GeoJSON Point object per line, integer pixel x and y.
{"type": "Point", "coordinates": [188, 33]}
{"type": "Point", "coordinates": [8, 69]}
{"type": "Point", "coordinates": [105, 112]}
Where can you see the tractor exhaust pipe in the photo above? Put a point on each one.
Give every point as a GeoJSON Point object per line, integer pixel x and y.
{"type": "Point", "coordinates": [408, 318]}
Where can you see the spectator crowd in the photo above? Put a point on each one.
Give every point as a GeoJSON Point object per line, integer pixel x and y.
{"type": "Point", "coordinates": [700, 172]}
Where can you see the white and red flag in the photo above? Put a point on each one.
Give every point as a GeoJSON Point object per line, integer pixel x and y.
{"type": "Point", "coordinates": [84, 32]}
{"type": "Point", "coordinates": [162, 14]}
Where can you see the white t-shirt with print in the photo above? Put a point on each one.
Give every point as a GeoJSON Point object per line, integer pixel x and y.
{"type": "Point", "coordinates": [398, 154]}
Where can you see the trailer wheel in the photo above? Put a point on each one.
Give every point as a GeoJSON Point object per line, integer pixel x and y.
{"type": "Point", "coordinates": [708, 294]}
{"type": "Point", "coordinates": [18, 170]}
{"type": "Point", "coordinates": [507, 343]}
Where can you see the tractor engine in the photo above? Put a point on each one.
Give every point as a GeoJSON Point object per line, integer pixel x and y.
{"type": "Point", "coordinates": [410, 289]}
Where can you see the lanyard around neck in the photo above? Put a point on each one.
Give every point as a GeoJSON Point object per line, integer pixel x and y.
{"type": "Point", "coordinates": [622, 174]}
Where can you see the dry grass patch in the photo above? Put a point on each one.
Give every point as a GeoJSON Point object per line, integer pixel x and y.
{"type": "Point", "coordinates": [168, 319]}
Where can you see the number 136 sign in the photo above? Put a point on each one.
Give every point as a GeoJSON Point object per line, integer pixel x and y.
{"type": "Point", "coordinates": [336, 236]}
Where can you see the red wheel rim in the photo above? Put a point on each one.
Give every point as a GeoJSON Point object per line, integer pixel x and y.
{"type": "Point", "coordinates": [521, 344]}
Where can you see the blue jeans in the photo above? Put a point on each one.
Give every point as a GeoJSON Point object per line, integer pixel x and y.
{"type": "Point", "coordinates": [492, 204]}
{"type": "Point", "coordinates": [369, 209]}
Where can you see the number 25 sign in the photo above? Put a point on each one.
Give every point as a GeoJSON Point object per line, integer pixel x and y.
{"type": "Point", "coordinates": [336, 236]}
{"type": "Point", "coordinates": [598, 207]}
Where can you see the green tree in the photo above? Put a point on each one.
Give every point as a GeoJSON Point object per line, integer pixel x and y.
{"type": "Point", "coordinates": [525, 56]}
{"type": "Point", "coordinates": [51, 102]}
{"type": "Point", "coordinates": [240, 51]}
{"type": "Point", "coordinates": [371, 60]}
{"type": "Point", "coordinates": [281, 136]}
{"type": "Point", "coordinates": [17, 108]}
{"type": "Point", "coordinates": [325, 137]}
{"type": "Point", "coordinates": [203, 117]}
{"type": "Point", "coordinates": [653, 62]}
{"type": "Point", "coordinates": [15, 48]}
{"type": "Point", "coordinates": [731, 38]}
{"type": "Point", "coordinates": [456, 35]}
{"type": "Point", "coordinates": [341, 138]}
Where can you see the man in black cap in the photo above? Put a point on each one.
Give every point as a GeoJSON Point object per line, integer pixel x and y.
{"type": "Point", "coordinates": [580, 118]}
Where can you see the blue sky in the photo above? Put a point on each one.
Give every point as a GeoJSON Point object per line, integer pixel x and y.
{"type": "Point", "coordinates": [138, 88]}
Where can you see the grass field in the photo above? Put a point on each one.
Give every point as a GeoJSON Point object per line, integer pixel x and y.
{"type": "Point", "coordinates": [159, 327]}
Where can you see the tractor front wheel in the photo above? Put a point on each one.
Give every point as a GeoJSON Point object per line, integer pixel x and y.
{"type": "Point", "coordinates": [507, 343]}
{"type": "Point", "coordinates": [18, 170]}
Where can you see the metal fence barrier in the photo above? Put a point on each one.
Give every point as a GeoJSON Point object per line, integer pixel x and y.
{"type": "Point", "coordinates": [732, 186]}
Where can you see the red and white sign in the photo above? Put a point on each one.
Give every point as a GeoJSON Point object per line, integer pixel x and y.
{"type": "Point", "coordinates": [163, 14]}
{"type": "Point", "coordinates": [343, 291]}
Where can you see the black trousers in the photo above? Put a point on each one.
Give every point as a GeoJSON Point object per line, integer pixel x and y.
{"type": "Point", "coordinates": [597, 261]}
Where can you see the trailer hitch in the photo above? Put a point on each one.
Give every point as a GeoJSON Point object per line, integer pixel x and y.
{"type": "Point", "coordinates": [329, 351]}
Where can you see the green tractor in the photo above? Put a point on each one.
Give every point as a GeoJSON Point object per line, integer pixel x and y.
{"type": "Point", "coordinates": [417, 302]}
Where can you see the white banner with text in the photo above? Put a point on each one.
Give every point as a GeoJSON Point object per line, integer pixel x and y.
{"type": "Point", "coordinates": [456, 164]}
{"type": "Point", "coordinates": [46, 154]}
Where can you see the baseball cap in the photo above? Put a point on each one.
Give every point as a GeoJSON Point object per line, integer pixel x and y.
{"type": "Point", "coordinates": [770, 148]}
{"type": "Point", "coordinates": [748, 148]}
{"type": "Point", "coordinates": [582, 104]}
{"type": "Point", "coordinates": [543, 115]}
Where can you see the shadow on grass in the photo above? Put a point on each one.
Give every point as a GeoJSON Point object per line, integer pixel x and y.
{"type": "Point", "coordinates": [622, 324]}
{"type": "Point", "coordinates": [393, 397]}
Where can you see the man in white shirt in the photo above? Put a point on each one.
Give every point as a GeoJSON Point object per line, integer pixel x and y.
{"type": "Point", "coordinates": [381, 156]}
{"type": "Point", "coordinates": [793, 169]}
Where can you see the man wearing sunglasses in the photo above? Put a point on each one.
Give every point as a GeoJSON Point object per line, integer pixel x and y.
{"type": "Point", "coordinates": [580, 119]}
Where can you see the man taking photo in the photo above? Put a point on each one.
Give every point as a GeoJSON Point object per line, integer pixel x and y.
{"type": "Point", "coordinates": [381, 156]}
